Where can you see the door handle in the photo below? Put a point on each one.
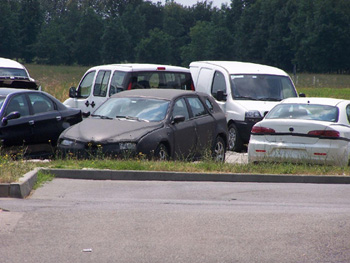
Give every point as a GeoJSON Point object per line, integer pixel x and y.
{"type": "Point", "coordinates": [58, 118]}
{"type": "Point", "coordinates": [31, 122]}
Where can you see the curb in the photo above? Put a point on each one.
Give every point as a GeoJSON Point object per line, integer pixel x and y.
{"type": "Point", "coordinates": [23, 188]}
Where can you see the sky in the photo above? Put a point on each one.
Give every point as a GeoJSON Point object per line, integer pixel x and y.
{"type": "Point", "coordinates": [216, 3]}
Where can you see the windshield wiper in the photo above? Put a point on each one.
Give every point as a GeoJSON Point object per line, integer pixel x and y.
{"type": "Point", "coordinates": [127, 117]}
{"type": "Point", "coordinates": [101, 116]}
{"type": "Point", "coordinates": [270, 99]}
{"type": "Point", "coordinates": [245, 98]}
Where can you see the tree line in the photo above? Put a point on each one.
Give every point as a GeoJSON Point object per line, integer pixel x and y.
{"type": "Point", "coordinates": [306, 35]}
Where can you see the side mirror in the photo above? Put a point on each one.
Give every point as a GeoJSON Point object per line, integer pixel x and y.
{"type": "Point", "coordinates": [85, 114]}
{"type": "Point", "coordinates": [302, 95]}
{"type": "Point", "coordinates": [178, 118]}
{"type": "Point", "coordinates": [73, 92]}
{"type": "Point", "coordinates": [11, 116]}
{"type": "Point", "coordinates": [220, 95]}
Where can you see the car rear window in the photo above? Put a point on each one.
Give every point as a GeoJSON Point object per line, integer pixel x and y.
{"type": "Point", "coordinates": [304, 111]}
{"type": "Point", "coordinates": [13, 72]}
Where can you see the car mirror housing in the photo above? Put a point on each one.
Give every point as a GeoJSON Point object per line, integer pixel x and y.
{"type": "Point", "coordinates": [10, 116]}
{"type": "Point", "coordinates": [178, 118]}
{"type": "Point", "coordinates": [73, 92]}
{"type": "Point", "coordinates": [220, 95]}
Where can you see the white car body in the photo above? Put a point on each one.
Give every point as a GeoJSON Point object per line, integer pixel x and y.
{"type": "Point", "coordinates": [244, 111]}
{"type": "Point", "coordinates": [114, 78]}
{"type": "Point", "coordinates": [306, 139]}
{"type": "Point", "coordinates": [9, 64]}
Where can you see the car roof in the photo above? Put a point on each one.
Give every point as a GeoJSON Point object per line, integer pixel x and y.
{"type": "Point", "coordinates": [315, 100]}
{"type": "Point", "coordinates": [7, 91]}
{"type": "Point", "coordinates": [129, 67]}
{"type": "Point", "coordinates": [9, 63]}
{"type": "Point", "coordinates": [237, 67]}
{"type": "Point", "coordinates": [166, 94]}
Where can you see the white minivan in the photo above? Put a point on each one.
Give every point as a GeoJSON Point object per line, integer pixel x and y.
{"type": "Point", "coordinates": [101, 82]}
{"type": "Point", "coordinates": [245, 92]}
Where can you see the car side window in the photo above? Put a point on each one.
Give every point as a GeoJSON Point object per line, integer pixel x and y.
{"type": "Point", "coordinates": [86, 84]}
{"type": "Point", "coordinates": [18, 103]}
{"type": "Point", "coordinates": [101, 83]}
{"type": "Point", "coordinates": [117, 82]}
{"type": "Point", "coordinates": [197, 106]}
{"type": "Point", "coordinates": [348, 112]}
{"type": "Point", "coordinates": [219, 83]}
{"type": "Point", "coordinates": [209, 105]}
{"type": "Point", "coordinates": [180, 109]}
{"type": "Point", "coordinates": [40, 103]}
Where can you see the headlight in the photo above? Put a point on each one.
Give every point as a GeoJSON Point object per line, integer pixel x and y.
{"type": "Point", "coordinates": [253, 114]}
{"type": "Point", "coordinates": [66, 142]}
{"type": "Point", "coordinates": [127, 146]}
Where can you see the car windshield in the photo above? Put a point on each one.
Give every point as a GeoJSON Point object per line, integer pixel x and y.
{"type": "Point", "coordinates": [2, 99]}
{"type": "Point", "coordinates": [133, 108]}
{"type": "Point", "coordinates": [262, 87]}
{"type": "Point", "coordinates": [13, 72]}
{"type": "Point", "coordinates": [304, 111]}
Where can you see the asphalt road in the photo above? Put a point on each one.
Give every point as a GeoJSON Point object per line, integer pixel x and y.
{"type": "Point", "coordinates": [133, 221]}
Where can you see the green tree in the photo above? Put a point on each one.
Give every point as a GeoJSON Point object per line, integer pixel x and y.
{"type": "Point", "coordinates": [89, 32]}
{"type": "Point", "coordinates": [155, 49]}
{"type": "Point", "coordinates": [30, 20]}
{"type": "Point", "coordinates": [9, 29]}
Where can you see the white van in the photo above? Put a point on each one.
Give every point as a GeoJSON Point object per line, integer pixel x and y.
{"type": "Point", "coordinates": [101, 82]}
{"type": "Point", "coordinates": [14, 75]}
{"type": "Point", "coordinates": [245, 92]}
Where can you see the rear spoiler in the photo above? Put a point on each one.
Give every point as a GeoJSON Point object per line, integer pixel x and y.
{"type": "Point", "coordinates": [18, 83]}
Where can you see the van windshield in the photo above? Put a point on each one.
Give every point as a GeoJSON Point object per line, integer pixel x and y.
{"type": "Point", "coordinates": [261, 87]}
{"type": "Point", "coordinates": [13, 72]}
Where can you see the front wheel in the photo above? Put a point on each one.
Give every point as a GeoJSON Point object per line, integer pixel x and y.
{"type": "Point", "coordinates": [219, 150]}
{"type": "Point", "coordinates": [235, 142]}
{"type": "Point", "coordinates": [161, 153]}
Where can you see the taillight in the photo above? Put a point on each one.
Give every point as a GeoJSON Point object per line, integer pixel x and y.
{"type": "Point", "coordinates": [160, 68]}
{"type": "Point", "coordinates": [262, 130]}
{"type": "Point", "coordinates": [192, 86]}
{"type": "Point", "coordinates": [129, 86]}
{"type": "Point", "coordinates": [322, 133]}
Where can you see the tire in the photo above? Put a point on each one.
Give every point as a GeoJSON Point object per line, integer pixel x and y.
{"type": "Point", "coordinates": [219, 150]}
{"type": "Point", "coordinates": [161, 153]}
{"type": "Point", "coordinates": [235, 142]}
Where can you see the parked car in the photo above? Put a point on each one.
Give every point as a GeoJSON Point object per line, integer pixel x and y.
{"type": "Point", "coordinates": [15, 75]}
{"type": "Point", "coordinates": [245, 92]}
{"type": "Point", "coordinates": [101, 82]}
{"type": "Point", "coordinates": [310, 130]}
{"type": "Point", "coordinates": [161, 124]}
{"type": "Point", "coordinates": [33, 120]}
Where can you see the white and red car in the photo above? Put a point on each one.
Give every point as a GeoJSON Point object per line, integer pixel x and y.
{"type": "Point", "coordinates": [303, 130]}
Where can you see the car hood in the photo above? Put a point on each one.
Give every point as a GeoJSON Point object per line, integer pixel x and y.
{"type": "Point", "coordinates": [107, 131]}
{"type": "Point", "coordinates": [261, 106]}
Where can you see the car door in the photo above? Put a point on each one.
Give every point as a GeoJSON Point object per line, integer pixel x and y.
{"type": "Point", "coordinates": [184, 139]}
{"type": "Point", "coordinates": [16, 132]}
{"type": "Point", "coordinates": [204, 125]}
{"type": "Point", "coordinates": [45, 119]}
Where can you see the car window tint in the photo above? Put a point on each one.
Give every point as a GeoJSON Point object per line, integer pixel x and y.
{"type": "Point", "coordinates": [86, 84]}
{"type": "Point", "coordinates": [219, 83]}
{"type": "Point", "coordinates": [197, 106]}
{"type": "Point", "coordinates": [180, 109]}
{"type": "Point", "coordinates": [18, 103]}
{"type": "Point", "coordinates": [101, 83]}
{"type": "Point", "coordinates": [117, 82]}
{"type": "Point", "coordinates": [41, 103]}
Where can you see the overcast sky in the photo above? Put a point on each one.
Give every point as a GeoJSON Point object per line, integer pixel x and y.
{"type": "Point", "coordinates": [216, 3]}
